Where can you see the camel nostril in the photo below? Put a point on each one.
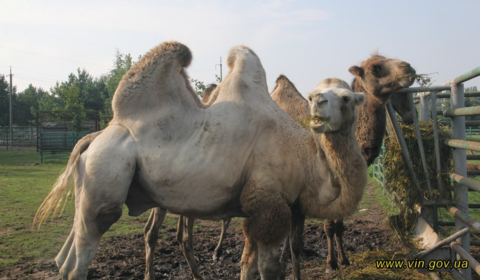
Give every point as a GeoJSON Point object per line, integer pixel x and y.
{"type": "Point", "coordinates": [320, 102]}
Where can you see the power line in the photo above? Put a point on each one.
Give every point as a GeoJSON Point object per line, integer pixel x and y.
{"type": "Point", "coordinates": [59, 37]}
{"type": "Point", "coordinates": [54, 57]}
{"type": "Point", "coordinates": [27, 78]}
{"type": "Point", "coordinates": [34, 72]}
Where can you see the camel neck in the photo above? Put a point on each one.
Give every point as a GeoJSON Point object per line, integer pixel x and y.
{"type": "Point", "coordinates": [347, 177]}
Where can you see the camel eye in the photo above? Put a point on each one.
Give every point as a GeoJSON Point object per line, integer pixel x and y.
{"type": "Point", "coordinates": [346, 99]}
{"type": "Point", "coordinates": [375, 70]}
{"type": "Point", "coordinates": [309, 98]}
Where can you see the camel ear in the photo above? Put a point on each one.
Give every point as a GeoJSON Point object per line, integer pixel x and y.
{"type": "Point", "coordinates": [356, 71]}
{"type": "Point", "coordinates": [359, 98]}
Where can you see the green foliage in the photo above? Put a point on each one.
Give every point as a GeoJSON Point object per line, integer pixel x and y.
{"type": "Point", "coordinates": [45, 102]}
{"type": "Point", "coordinates": [398, 177]}
{"type": "Point", "coordinates": [26, 105]}
{"type": "Point", "coordinates": [199, 87]}
{"type": "Point", "coordinates": [4, 101]}
{"type": "Point", "coordinates": [122, 64]}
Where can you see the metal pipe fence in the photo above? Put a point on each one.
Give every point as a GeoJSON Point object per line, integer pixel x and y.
{"type": "Point", "coordinates": [58, 144]}
{"type": "Point", "coordinates": [459, 207]}
{"type": "Point", "coordinates": [24, 136]}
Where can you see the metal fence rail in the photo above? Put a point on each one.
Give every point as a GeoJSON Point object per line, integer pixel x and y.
{"type": "Point", "coordinates": [58, 144]}
{"type": "Point", "coordinates": [21, 136]}
{"type": "Point", "coordinates": [459, 207]}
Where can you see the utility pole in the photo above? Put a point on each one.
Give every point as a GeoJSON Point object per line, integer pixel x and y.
{"type": "Point", "coordinates": [220, 69]}
{"type": "Point", "coordinates": [11, 93]}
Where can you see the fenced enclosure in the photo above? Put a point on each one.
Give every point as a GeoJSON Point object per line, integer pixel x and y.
{"type": "Point", "coordinates": [23, 136]}
{"type": "Point", "coordinates": [58, 144]}
{"type": "Point", "coordinates": [457, 246]}
{"type": "Point", "coordinates": [55, 133]}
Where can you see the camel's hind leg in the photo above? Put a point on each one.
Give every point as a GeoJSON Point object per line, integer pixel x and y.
{"type": "Point", "coordinates": [152, 226]}
{"type": "Point", "coordinates": [265, 228]}
{"type": "Point", "coordinates": [82, 243]}
{"type": "Point", "coordinates": [296, 239]}
{"type": "Point", "coordinates": [218, 250]}
{"type": "Point", "coordinates": [185, 238]}
{"type": "Point", "coordinates": [102, 182]}
{"type": "Point", "coordinates": [293, 245]}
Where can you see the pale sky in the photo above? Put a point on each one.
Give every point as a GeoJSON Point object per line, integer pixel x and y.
{"type": "Point", "coordinates": [308, 41]}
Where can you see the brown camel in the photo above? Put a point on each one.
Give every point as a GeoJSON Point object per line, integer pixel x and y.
{"type": "Point", "coordinates": [378, 77]}
{"type": "Point", "coordinates": [378, 87]}
{"type": "Point", "coordinates": [164, 148]}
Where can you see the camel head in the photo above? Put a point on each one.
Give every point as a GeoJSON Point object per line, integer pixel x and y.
{"type": "Point", "coordinates": [382, 76]}
{"type": "Point", "coordinates": [402, 106]}
{"type": "Point", "coordinates": [333, 106]}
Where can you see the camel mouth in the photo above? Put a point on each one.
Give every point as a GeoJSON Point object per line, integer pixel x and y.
{"type": "Point", "coordinates": [406, 80]}
{"type": "Point", "coordinates": [320, 124]}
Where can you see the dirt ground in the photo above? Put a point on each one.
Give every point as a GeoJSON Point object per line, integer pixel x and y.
{"type": "Point", "coordinates": [123, 257]}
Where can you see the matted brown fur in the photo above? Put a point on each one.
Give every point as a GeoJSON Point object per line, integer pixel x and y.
{"type": "Point", "coordinates": [265, 208]}
{"type": "Point", "coordinates": [208, 94]}
{"type": "Point", "coordinates": [286, 95]}
{"type": "Point", "coordinates": [168, 51]}
{"type": "Point", "coordinates": [338, 150]}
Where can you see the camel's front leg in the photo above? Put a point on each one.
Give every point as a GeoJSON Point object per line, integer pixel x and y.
{"type": "Point", "coordinates": [285, 256]}
{"type": "Point", "coordinates": [342, 256]}
{"type": "Point", "coordinates": [266, 227]}
{"type": "Point", "coordinates": [152, 226]}
{"type": "Point", "coordinates": [329, 228]}
{"type": "Point", "coordinates": [185, 238]}
{"type": "Point", "coordinates": [218, 250]}
{"type": "Point", "coordinates": [249, 260]}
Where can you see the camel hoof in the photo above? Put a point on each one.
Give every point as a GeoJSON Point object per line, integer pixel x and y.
{"type": "Point", "coordinates": [331, 268]}
{"type": "Point", "coordinates": [345, 265]}
{"type": "Point", "coordinates": [216, 255]}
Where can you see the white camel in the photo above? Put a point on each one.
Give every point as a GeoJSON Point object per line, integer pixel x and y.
{"type": "Point", "coordinates": [241, 156]}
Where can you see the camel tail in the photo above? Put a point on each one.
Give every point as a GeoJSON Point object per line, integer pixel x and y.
{"type": "Point", "coordinates": [56, 200]}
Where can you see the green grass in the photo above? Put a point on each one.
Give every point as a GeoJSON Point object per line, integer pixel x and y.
{"type": "Point", "coordinates": [24, 183]}
{"type": "Point", "coordinates": [381, 197]}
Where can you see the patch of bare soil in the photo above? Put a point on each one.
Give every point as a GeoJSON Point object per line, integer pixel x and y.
{"type": "Point", "coordinates": [123, 257]}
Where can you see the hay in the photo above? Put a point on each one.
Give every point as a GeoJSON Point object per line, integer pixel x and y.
{"type": "Point", "coordinates": [399, 181]}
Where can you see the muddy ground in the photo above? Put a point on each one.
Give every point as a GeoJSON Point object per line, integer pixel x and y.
{"type": "Point", "coordinates": [123, 257]}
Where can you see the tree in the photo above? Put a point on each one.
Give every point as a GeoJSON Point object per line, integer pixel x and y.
{"type": "Point", "coordinates": [69, 96]}
{"type": "Point", "coordinates": [92, 91]}
{"type": "Point", "coordinates": [45, 102]}
{"type": "Point", "coordinates": [4, 101]}
{"type": "Point", "coordinates": [26, 105]}
{"type": "Point", "coordinates": [472, 101]}
{"type": "Point", "coordinates": [122, 64]}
